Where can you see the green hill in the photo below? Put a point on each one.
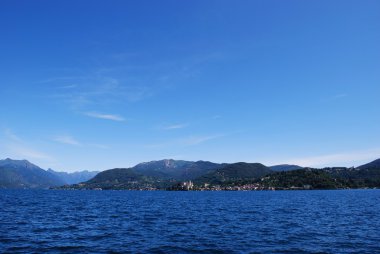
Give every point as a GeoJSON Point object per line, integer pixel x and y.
{"type": "Point", "coordinates": [326, 178]}
{"type": "Point", "coordinates": [175, 169]}
{"type": "Point", "coordinates": [301, 178]}
{"type": "Point", "coordinates": [235, 172]}
{"type": "Point", "coordinates": [120, 178]}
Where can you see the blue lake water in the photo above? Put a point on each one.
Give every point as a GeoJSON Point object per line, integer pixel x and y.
{"type": "Point", "coordinates": [43, 221]}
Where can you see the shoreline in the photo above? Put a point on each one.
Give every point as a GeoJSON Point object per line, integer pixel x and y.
{"type": "Point", "coordinates": [222, 190]}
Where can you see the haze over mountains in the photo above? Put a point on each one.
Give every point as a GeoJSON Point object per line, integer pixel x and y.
{"type": "Point", "coordinates": [21, 174]}
{"type": "Point", "coordinates": [75, 177]}
{"type": "Point", "coordinates": [164, 174]}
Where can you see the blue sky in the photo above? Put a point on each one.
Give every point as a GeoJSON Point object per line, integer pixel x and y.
{"type": "Point", "coordinates": [101, 84]}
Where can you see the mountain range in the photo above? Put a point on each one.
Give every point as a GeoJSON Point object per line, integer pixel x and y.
{"type": "Point", "coordinates": [173, 174]}
{"type": "Point", "coordinates": [21, 174]}
{"type": "Point", "coordinates": [176, 169]}
{"type": "Point", "coordinates": [170, 174]}
{"type": "Point", "coordinates": [75, 177]}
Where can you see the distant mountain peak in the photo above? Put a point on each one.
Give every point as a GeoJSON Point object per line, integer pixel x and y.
{"type": "Point", "coordinates": [12, 160]}
{"type": "Point", "coordinates": [167, 163]}
{"type": "Point", "coordinates": [23, 174]}
{"type": "Point", "coordinates": [17, 163]}
{"type": "Point", "coordinates": [175, 169]}
{"type": "Point", "coordinates": [74, 177]}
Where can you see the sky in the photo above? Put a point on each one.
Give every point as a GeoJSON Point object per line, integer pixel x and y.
{"type": "Point", "coordinates": [94, 85]}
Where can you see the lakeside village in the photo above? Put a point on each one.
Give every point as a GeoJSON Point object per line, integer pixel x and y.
{"type": "Point", "coordinates": [189, 186]}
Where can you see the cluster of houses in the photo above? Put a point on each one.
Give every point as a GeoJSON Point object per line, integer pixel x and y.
{"type": "Point", "coordinates": [253, 186]}
{"type": "Point", "coordinates": [189, 185]}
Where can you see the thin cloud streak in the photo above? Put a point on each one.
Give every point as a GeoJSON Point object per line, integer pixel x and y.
{"type": "Point", "coordinates": [16, 147]}
{"type": "Point", "coordinates": [100, 146]}
{"type": "Point", "coordinates": [98, 91]}
{"type": "Point", "coordinates": [196, 140]}
{"type": "Point", "coordinates": [339, 96]}
{"type": "Point", "coordinates": [68, 140]}
{"type": "Point", "coordinates": [175, 126]}
{"type": "Point", "coordinates": [105, 116]}
{"type": "Point", "coordinates": [68, 87]}
{"type": "Point", "coordinates": [10, 135]}
{"type": "Point", "coordinates": [21, 151]}
{"type": "Point", "coordinates": [187, 141]}
{"type": "Point", "coordinates": [336, 97]}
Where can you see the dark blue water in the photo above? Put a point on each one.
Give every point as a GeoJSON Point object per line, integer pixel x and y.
{"type": "Point", "coordinates": [186, 222]}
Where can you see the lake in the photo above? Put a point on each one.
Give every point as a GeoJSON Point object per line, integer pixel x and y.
{"type": "Point", "coordinates": [43, 221]}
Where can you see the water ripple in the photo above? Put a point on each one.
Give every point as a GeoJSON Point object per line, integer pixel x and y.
{"type": "Point", "coordinates": [189, 222]}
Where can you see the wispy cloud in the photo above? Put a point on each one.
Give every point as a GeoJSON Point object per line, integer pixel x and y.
{"type": "Point", "coordinates": [105, 116]}
{"type": "Point", "coordinates": [339, 96]}
{"type": "Point", "coordinates": [10, 135]}
{"type": "Point", "coordinates": [67, 139]}
{"type": "Point", "coordinates": [98, 90]}
{"type": "Point", "coordinates": [125, 81]}
{"type": "Point", "coordinates": [186, 141]}
{"type": "Point", "coordinates": [68, 86]}
{"type": "Point", "coordinates": [70, 140]}
{"type": "Point", "coordinates": [100, 146]}
{"type": "Point", "coordinates": [175, 126]}
{"type": "Point", "coordinates": [196, 140]}
{"type": "Point", "coordinates": [59, 80]}
{"type": "Point", "coordinates": [16, 147]}
{"type": "Point", "coordinates": [22, 151]}
{"type": "Point", "coordinates": [338, 159]}
{"type": "Point", "coordinates": [336, 97]}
